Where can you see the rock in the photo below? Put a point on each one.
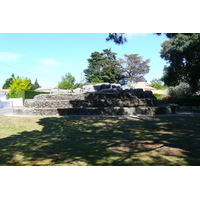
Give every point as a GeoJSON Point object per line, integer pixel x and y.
{"type": "Point", "coordinates": [88, 88]}
{"type": "Point", "coordinates": [101, 86]}
{"type": "Point", "coordinates": [126, 88]}
{"type": "Point", "coordinates": [60, 91]}
{"type": "Point", "coordinates": [137, 90]}
{"type": "Point", "coordinates": [78, 90]}
{"type": "Point", "coordinates": [117, 86]}
{"type": "Point", "coordinates": [105, 86]}
{"type": "Point", "coordinates": [114, 90]}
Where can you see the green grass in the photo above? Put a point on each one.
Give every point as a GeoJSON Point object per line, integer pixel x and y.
{"type": "Point", "coordinates": [83, 141]}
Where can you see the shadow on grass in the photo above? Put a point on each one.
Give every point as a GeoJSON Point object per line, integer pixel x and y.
{"type": "Point", "coordinates": [106, 141]}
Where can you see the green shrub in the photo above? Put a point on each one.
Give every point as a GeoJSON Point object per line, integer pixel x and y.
{"type": "Point", "coordinates": [158, 96]}
{"type": "Point", "coordinates": [180, 91]}
{"type": "Point", "coordinates": [182, 95]}
{"type": "Point", "coordinates": [29, 94]}
{"type": "Point", "coordinates": [184, 101]}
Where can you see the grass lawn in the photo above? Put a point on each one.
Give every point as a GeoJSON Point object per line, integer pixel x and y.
{"type": "Point", "coordinates": [82, 141]}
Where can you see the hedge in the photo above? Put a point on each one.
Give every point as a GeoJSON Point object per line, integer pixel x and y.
{"type": "Point", "coordinates": [29, 94]}
{"type": "Point", "coordinates": [184, 101]}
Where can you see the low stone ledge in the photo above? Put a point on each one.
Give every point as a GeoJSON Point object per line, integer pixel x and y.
{"type": "Point", "coordinates": [110, 111]}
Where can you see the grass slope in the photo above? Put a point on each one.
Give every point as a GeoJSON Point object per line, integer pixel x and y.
{"type": "Point", "coordinates": [79, 141]}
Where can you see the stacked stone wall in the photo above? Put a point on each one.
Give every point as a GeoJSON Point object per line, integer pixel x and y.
{"type": "Point", "coordinates": [100, 99]}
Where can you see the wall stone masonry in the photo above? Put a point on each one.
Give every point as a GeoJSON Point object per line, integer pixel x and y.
{"type": "Point", "coordinates": [99, 99]}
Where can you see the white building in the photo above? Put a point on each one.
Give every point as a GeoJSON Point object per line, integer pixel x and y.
{"type": "Point", "coordinates": [3, 93]}
{"type": "Point", "coordinates": [4, 102]}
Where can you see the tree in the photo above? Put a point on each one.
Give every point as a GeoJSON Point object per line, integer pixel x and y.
{"type": "Point", "coordinates": [35, 85]}
{"type": "Point", "coordinates": [18, 84]}
{"type": "Point", "coordinates": [157, 83]}
{"type": "Point", "coordinates": [103, 67]}
{"type": "Point", "coordinates": [118, 38]}
{"type": "Point", "coordinates": [8, 81]}
{"type": "Point", "coordinates": [67, 82]}
{"type": "Point", "coordinates": [181, 52]}
{"type": "Point", "coordinates": [134, 68]}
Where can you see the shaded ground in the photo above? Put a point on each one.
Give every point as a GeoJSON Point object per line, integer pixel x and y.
{"type": "Point", "coordinates": [100, 141]}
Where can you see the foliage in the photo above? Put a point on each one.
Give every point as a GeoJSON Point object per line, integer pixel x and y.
{"type": "Point", "coordinates": [184, 101]}
{"type": "Point", "coordinates": [118, 38]}
{"type": "Point", "coordinates": [78, 85]}
{"type": "Point", "coordinates": [67, 82]}
{"type": "Point", "coordinates": [134, 68]}
{"type": "Point", "coordinates": [18, 84]}
{"type": "Point", "coordinates": [158, 96]}
{"type": "Point", "coordinates": [181, 52]}
{"type": "Point", "coordinates": [8, 81]}
{"type": "Point", "coordinates": [157, 83]}
{"type": "Point", "coordinates": [103, 67]}
{"type": "Point", "coordinates": [35, 85]}
{"type": "Point", "coordinates": [182, 95]}
{"type": "Point", "coordinates": [29, 94]}
{"type": "Point", "coordinates": [181, 90]}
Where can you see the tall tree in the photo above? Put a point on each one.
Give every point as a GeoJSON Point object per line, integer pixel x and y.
{"type": "Point", "coordinates": [67, 82]}
{"type": "Point", "coordinates": [103, 67]}
{"type": "Point", "coordinates": [18, 84]}
{"type": "Point", "coordinates": [8, 81]}
{"type": "Point", "coordinates": [134, 68]}
{"type": "Point", "coordinates": [181, 52]}
{"type": "Point", "coordinates": [35, 85]}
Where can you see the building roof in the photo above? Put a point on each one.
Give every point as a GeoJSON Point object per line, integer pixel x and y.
{"type": "Point", "coordinates": [44, 88]}
{"type": "Point", "coordinates": [4, 90]}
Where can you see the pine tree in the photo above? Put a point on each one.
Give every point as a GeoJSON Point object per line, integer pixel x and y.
{"type": "Point", "coordinates": [35, 85]}
{"type": "Point", "coordinates": [103, 67]}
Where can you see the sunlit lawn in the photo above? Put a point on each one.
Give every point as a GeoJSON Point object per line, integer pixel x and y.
{"type": "Point", "coordinates": [100, 141]}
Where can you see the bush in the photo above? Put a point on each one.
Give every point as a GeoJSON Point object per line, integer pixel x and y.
{"type": "Point", "coordinates": [158, 96]}
{"type": "Point", "coordinates": [180, 91]}
{"type": "Point", "coordinates": [184, 101]}
{"type": "Point", "coordinates": [182, 95]}
{"type": "Point", "coordinates": [29, 94]}
{"type": "Point", "coordinates": [18, 84]}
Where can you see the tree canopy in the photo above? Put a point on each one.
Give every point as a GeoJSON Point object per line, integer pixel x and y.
{"type": "Point", "coordinates": [35, 85]}
{"type": "Point", "coordinates": [118, 38]}
{"type": "Point", "coordinates": [134, 68]}
{"type": "Point", "coordinates": [67, 82]}
{"type": "Point", "coordinates": [103, 67]}
{"type": "Point", "coordinates": [18, 84]}
{"type": "Point", "coordinates": [181, 52]}
{"type": "Point", "coordinates": [8, 81]}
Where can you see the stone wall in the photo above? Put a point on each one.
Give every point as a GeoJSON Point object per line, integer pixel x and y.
{"type": "Point", "coordinates": [99, 99]}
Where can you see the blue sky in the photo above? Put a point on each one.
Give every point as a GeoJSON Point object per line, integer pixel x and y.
{"type": "Point", "coordinates": [48, 56]}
